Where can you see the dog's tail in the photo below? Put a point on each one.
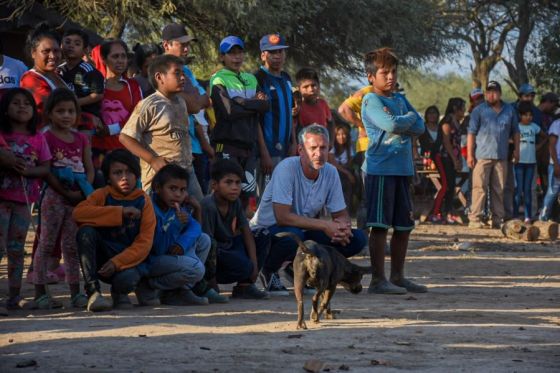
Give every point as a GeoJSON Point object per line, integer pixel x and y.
{"type": "Point", "coordinates": [296, 238]}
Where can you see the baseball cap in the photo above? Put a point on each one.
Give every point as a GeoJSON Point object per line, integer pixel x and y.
{"type": "Point", "coordinates": [272, 42]}
{"type": "Point", "coordinates": [174, 31]}
{"type": "Point", "coordinates": [229, 42]}
{"type": "Point", "coordinates": [477, 92]}
{"type": "Point", "coordinates": [526, 89]}
{"type": "Point", "coordinates": [493, 86]}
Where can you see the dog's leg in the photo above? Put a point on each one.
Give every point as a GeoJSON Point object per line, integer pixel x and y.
{"type": "Point", "coordinates": [326, 302]}
{"type": "Point", "coordinates": [314, 304]}
{"type": "Point", "coordinates": [299, 282]}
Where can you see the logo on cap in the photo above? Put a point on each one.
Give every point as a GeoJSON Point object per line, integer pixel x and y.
{"type": "Point", "coordinates": [274, 39]}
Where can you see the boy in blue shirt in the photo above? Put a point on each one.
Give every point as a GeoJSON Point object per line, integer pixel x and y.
{"type": "Point", "coordinates": [390, 122]}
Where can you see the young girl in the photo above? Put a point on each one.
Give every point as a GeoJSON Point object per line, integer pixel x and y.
{"type": "Point", "coordinates": [19, 184]}
{"type": "Point", "coordinates": [525, 169]}
{"type": "Point", "coordinates": [446, 153]}
{"type": "Point", "coordinates": [120, 97]}
{"type": "Point", "coordinates": [69, 180]}
{"type": "Point", "coordinates": [428, 138]}
{"type": "Point", "coordinates": [341, 156]}
{"type": "Point", "coordinates": [176, 261]}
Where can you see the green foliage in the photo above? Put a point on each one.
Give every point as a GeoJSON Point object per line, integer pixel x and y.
{"type": "Point", "coordinates": [545, 69]}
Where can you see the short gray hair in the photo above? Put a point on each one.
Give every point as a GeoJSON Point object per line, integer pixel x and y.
{"type": "Point", "coordinates": [314, 129]}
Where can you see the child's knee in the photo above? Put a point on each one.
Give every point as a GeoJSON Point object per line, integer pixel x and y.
{"type": "Point", "coordinates": [204, 242]}
{"type": "Point", "coordinates": [126, 281]}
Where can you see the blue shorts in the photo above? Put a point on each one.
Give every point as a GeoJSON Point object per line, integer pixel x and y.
{"type": "Point", "coordinates": [388, 202]}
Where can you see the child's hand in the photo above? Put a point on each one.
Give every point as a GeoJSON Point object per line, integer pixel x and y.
{"type": "Point", "coordinates": [100, 129]}
{"type": "Point", "coordinates": [261, 96]}
{"type": "Point", "coordinates": [158, 163]}
{"type": "Point", "coordinates": [387, 110]}
{"type": "Point", "coordinates": [18, 165]}
{"type": "Point", "coordinates": [74, 197]}
{"type": "Point", "coordinates": [175, 250]}
{"type": "Point", "coordinates": [107, 270]}
{"type": "Point", "coordinates": [181, 215]}
{"type": "Point", "coordinates": [131, 212]}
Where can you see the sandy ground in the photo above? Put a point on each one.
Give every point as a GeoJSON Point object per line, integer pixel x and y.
{"type": "Point", "coordinates": [493, 305]}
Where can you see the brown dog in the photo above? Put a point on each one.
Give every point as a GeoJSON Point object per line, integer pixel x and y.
{"type": "Point", "coordinates": [323, 268]}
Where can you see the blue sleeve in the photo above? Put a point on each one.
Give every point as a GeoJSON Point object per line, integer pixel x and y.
{"type": "Point", "coordinates": [418, 127]}
{"type": "Point", "coordinates": [189, 235]}
{"type": "Point", "coordinates": [195, 83]}
{"type": "Point", "coordinates": [474, 122]}
{"type": "Point", "coordinates": [374, 115]}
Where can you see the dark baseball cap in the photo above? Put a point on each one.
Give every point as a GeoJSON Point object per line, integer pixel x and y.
{"type": "Point", "coordinates": [549, 97]}
{"type": "Point", "coordinates": [174, 31]}
{"type": "Point", "coordinates": [493, 86]}
{"type": "Point", "coordinates": [272, 42]}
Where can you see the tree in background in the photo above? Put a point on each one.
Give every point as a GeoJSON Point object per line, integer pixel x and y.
{"type": "Point", "coordinates": [544, 70]}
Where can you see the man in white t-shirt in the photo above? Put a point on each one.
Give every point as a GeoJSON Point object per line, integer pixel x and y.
{"type": "Point", "coordinates": [300, 188]}
{"type": "Point", "coordinates": [11, 71]}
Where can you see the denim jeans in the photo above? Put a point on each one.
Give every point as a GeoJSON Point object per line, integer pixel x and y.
{"type": "Point", "coordinates": [94, 252]}
{"type": "Point", "coordinates": [524, 173]}
{"type": "Point", "coordinates": [284, 249]}
{"type": "Point", "coordinates": [168, 272]}
{"type": "Point", "coordinates": [551, 193]}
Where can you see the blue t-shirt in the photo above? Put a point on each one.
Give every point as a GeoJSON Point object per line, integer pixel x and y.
{"type": "Point", "coordinates": [195, 143]}
{"type": "Point", "coordinates": [527, 145]}
{"type": "Point", "coordinates": [289, 186]}
{"type": "Point", "coordinates": [390, 123]}
{"type": "Point", "coordinates": [493, 130]}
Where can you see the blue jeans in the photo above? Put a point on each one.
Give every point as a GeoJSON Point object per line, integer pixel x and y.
{"type": "Point", "coordinates": [169, 272]}
{"type": "Point", "coordinates": [551, 194]}
{"type": "Point", "coordinates": [524, 173]}
{"type": "Point", "coordinates": [284, 249]}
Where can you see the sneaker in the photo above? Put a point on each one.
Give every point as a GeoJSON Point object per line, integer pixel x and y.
{"type": "Point", "coordinates": [273, 285]}
{"type": "Point", "coordinates": [19, 303]}
{"type": "Point", "coordinates": [46, 302]}
{"type": "Point", "coordinates": [436, 219]}
{"type": "Point", "coordinates": [455, 219]}
{"type": "Point", "coordinates": [385, 287]}
{"type": "Point", "coordinates": [98, 303]}
{"type": "Point", "coordinates": [183, 297]}
{"type": "Point", "coordinates": [121, 301]}
{"type": "Point", "coordinates": [476, 225]}
{"type": "Point", "coordinates": [145, 295]}
{"type": "Point", "coordinates": [249, 292]}
{"type": "Point", "coordinates": [79, 300]}
{"type": "Point", "coordinates": [215, 297]}
{"type": "Point", "coordinates": [411, 286]}
{"type": "Point", "coordinates": [528, 221]}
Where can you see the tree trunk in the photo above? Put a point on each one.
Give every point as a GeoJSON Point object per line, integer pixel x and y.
{"type": "Point", "coordinates": [517, 70]}
{"type": "Point", "coordinates": [117, 27]}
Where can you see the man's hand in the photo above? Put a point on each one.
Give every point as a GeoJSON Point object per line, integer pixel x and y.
{"type": "Point", "coordinates": [362, 132]}
{"type": "Point", "coordinates": [471, 161]}
{"type": "Point", "coordinates": [131, 212]}
{"type": "Point", "coordinates": [266, 164]}
{"type": "Point", "coordinates": [515, 158]}
{"type": "Point", "coordinates": [458, 164]}
{"type": "Point", "coordinates": [158, 163]}
{"type": "Point", "coordinates": [175, 250]}
{"type": "Point", "coordinates": [181, 215]}
{"type": "Point", "coordinates": [107, 270]}
{"type": "Point", "coordinates": [261, 96]}
{"type": "Point", "coordinates": [338, 231]}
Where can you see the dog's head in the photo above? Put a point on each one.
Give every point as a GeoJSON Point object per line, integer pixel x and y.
{"type": "Point", "coordinates": [352, 280]}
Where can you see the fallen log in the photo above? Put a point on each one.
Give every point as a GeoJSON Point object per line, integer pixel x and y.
{"type": "Point", "coordinates": [549, 229]}
{"type": "Point", "coordinates": [516, 230]}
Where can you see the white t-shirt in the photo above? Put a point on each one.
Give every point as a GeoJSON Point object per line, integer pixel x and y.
{"type": "Point", "coordinates": [554, 130]}
{"type": "Point", "coordinates": [11, 71]}
{"type": "Point", "coordinates": [289, 186]}
{"type": "Point", "coordinates": [527, 147]}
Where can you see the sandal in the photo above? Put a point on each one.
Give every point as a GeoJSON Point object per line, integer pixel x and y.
{"type": "Point", "coordinates": [79, 300]}
{"type": "Point", "coordinates": [18, 303]}
{"type": "Point", "coordinates": [46, 302]}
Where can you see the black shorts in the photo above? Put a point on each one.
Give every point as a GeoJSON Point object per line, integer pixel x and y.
{"type": "Point", "coordinates": [388, 202]}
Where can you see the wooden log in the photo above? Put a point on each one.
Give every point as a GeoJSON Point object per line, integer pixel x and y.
{"type": "Point", "coordinates": [518, 231]}
{"type": "Point", "coordinates": [549, 229]}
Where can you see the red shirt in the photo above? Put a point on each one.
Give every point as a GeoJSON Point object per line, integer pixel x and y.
{"type": "Point", "coordinates": [40, 87]}
{"type": "Point", "coordinates": [319, 113]}
{"type": "Point", "coordinates": [116, 108]}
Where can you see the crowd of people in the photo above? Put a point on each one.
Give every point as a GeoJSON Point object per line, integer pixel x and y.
{"type": "Point", "coordinates": [157, 183]}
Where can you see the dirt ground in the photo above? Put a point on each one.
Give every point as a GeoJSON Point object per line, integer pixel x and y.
{"type": "Point", "coordinates": [493, 306]}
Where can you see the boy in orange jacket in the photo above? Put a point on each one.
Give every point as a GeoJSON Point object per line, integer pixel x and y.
{"type": "Point", "coordinates": [117, 224]}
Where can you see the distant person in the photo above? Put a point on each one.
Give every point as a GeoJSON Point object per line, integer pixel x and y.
{"type": "Point", "coordinates": [341, 156]}
{"type": "Point", "coordinates": [240, 252]}
{"type": "Point", "coordinates": [391, 123]}
{"type": "Point", "coordinates": [143, 56]}
{"type": "Point", "coordinates": [553, 171]}
{"type": "Point", "coordinates": [116, 232]}
{"type": "Point", "coordinates": [446, 153]}
{"type": "Point", "coordinates": [157, 131]}
{"type": "Point", "coordinates": [548, 106]}
{"type": "Point", "coordinates": [279, 139]}
{"type": "Point", "coordinates": [11, 70]}
{"type": "Point", "coordinates": [530, 138]}
{"type": "Point", "coordinates": [492, 125]}
{"type": "Point", "coordinates": [429, 137]}
{"type": "Point", "coordinates": [238, 104]}
{"type": "Point", "coordinates": [314, 109]}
